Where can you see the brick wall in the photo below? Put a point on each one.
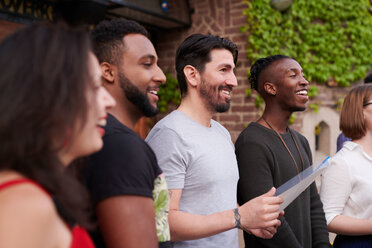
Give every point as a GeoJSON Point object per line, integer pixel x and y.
{"type": "Point", "coordinates": [223, 18]}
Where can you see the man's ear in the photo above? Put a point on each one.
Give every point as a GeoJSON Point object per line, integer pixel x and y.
{"type": "Point", "coordinates": [270, 88]}
{"type": "Point", "coordinates": [108, 72]}
{"type": "Point", "coordinates": [192, 75]}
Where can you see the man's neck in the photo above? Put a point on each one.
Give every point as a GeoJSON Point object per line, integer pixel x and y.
{"type": "Point", "coordinates": [127, 115]}
{"type": "Point", "coordinates": [195, 108]}
{"type": "Point", "coordinates": [275, 120]}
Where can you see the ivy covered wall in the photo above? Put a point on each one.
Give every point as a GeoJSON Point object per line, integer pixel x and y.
{"type": "Point", "coordinates": [225, 18]}
{"type": "Point", "coordinates": [332, 40]}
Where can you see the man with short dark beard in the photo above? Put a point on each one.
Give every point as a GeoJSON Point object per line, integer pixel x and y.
{"type": "Point", "coordinates": [197, 155]}
{"type": "Point", "coordinates": [126, 184]}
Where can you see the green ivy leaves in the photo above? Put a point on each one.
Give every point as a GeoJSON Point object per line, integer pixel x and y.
{"type": "Point", "coordinates": [332, 40]}
{"type": "Point", "coordinates": [168, 93]}
{"type": "Point", "coordinates": [312, 91]}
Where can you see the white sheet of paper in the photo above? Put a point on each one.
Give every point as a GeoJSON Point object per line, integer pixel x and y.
{"type": "Point", "coordinates": [295, 186]}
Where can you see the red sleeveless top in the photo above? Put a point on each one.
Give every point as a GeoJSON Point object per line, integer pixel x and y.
{"type": "Point", "coordinates": [80, 237]}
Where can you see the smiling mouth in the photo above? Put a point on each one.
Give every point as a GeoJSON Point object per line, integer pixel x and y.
{"type": "Point", "coordinates": [153, 91]}
{"type": "Point", "coordinates": [102, 122]}
{"type": "Point", "coordinates": [226, 92]}
{"type": "Point", "coordinates": [302, 93]}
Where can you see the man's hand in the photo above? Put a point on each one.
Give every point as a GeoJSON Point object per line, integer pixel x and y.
{"type": "Point", "coordinates": [264, 233]}
{"type": "Point", "coordinates": [261, 212]}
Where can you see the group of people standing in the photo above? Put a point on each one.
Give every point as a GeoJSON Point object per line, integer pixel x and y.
{"type": "Point", "coordinates": [67, 95]}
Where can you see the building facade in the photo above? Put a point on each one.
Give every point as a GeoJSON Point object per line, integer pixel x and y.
{"type": "Point", "coordinates": [169, 23]}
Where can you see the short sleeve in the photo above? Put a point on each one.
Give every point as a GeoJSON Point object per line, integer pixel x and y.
{"type": "Point", "coordinates": [125, 166]}
{"type": "Point", "coordinates": [172, 155]}
{"type": "Point", "coordinates": [335, 188]}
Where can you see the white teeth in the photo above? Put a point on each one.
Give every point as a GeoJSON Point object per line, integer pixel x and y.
{"type": "Point", "coordinates": [225, 92]}
{"type": "Point", "coordinates": [302, 92]}
{"type": "Point", "coordinates": [153, 92]}
{"type": "Point", "coordinates": [102, 122]}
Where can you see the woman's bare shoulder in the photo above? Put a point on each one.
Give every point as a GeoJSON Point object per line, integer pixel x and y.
{"type": "Point", "coordinates": [27, 213]}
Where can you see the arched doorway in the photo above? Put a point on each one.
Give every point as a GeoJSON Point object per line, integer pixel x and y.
{"type": "Point", "coordinates": [322, 141]}
{"type": "Point", "coordinates": [321, 130]}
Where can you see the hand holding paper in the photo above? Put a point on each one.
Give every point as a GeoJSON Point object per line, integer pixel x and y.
{"type": "Point", "coordinates": [261, 212]}
{"type": "Point", "coordinates": [295, 186]}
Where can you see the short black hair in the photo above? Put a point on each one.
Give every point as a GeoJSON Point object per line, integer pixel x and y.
{"type": "Point", "coordinates": [107, 38]}
{"type": "Point", "coordinates": [368, 79]}
{"type": "Point", "coordinates": [195, 50]}
{"type": "Point", "coordinates": [260, 65]}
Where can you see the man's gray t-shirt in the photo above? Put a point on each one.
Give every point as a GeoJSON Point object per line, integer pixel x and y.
{"type": "Point", "coordinates": [201, 161]}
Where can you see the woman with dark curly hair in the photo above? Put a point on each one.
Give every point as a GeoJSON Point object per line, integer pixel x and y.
{"type": "Point", "coordinates": [53, 107]}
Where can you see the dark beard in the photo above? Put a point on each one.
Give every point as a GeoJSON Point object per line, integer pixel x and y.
{"type": "Point", "coordinates": [209, 93]}
{"type": "Point", "coordinates": [136, 97]}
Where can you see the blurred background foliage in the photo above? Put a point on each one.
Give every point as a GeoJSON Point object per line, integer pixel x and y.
{"type": "Point", "coordinates": [168, 93]}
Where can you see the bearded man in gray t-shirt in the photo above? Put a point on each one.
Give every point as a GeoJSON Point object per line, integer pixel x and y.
{"type": "Point", "coordinates": [197, 156]}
